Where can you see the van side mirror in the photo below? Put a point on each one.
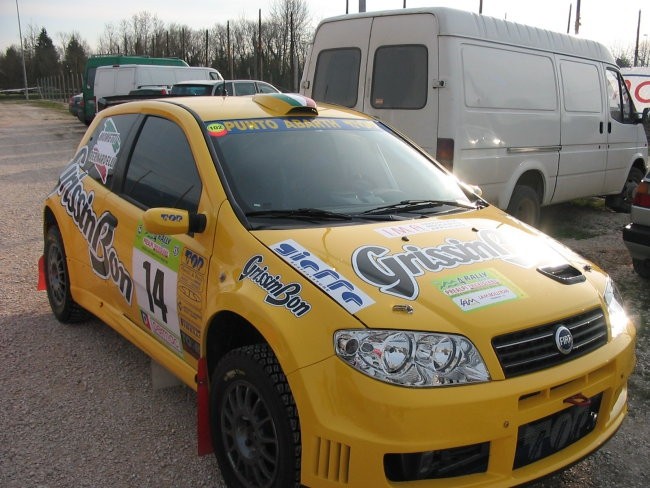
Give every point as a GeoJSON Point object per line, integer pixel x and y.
{"type": "Point", "coordinates": [645, 117]}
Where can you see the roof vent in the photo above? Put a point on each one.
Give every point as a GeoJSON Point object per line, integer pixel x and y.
{"type": "Point", "coordinates": [565, 274]}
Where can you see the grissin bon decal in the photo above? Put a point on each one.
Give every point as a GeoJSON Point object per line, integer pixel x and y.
{"type": "Point", "coordinates": [278, 294]}
{"type": "Point", "coordinates": [97, 231]}
{"type": "Point", "coordinates": [394, 274]}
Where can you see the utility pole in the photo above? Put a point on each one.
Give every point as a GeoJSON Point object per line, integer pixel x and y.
{"type": "Point", "coordinates": [577, 17]}
{"type": "Point", "coordinates": [22, 53]}
{"type": "Point", "coordinates": [568, 24]}
{"type": "Point", "coordinates": [636, 48]}
{"type": "Point", "coordinates": [362, 6]}
{"type": "Point", "coordinates": [480, 7]}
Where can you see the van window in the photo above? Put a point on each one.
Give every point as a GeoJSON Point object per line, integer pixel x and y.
{"type": "Point", "coordinates": [337, 76]}
{"type": "Point", "coordinates": [581, 87]}
{"type": "Point", "coordinates": [162, 171]}
{"type": "Point", "coordinates": [399, 79]}
{"type": "Point", "coordinates": [497, 78]}
{"type": "Point", "coordinates": [620, 103]}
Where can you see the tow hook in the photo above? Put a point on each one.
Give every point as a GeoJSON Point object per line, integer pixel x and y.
{"type": "Point", "coordinates": [578, 400]}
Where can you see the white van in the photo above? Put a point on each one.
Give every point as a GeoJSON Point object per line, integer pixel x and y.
{"type": "Point", "coordinates": [532, 116]}
{"type": "Point", "coordinates": [123, 79]}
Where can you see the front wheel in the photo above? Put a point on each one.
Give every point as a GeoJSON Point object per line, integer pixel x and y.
{"type": "Point", "coordinates": [254, 420]}
{"type": "Point", "coordinates": [525, 204]}
{"type": "Point", "coordinates": [623, 201]}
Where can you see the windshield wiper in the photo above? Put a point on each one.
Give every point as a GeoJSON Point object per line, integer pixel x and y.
{"type": "Point", "coordinates": [300, 213]}
{"type": "Point", "coordinates": [413, 205]}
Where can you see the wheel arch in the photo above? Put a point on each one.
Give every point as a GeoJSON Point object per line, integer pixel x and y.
{"type": "Point", "coordinates": [533, 178]}
{"type": "Point", "coordinates": [226, 331]}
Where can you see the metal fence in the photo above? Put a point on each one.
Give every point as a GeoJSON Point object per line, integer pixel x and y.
{"type": "Point", "coordinates": [61, 87]}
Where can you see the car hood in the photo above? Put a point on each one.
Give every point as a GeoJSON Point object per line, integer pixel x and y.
{"type": "Point", "coordinates": [480, 270]}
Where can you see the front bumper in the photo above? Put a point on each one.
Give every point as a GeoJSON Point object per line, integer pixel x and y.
{"type": "Point", "coordinates": [637, 240]}
{"type": "Point", "coordinates": [350, 422]}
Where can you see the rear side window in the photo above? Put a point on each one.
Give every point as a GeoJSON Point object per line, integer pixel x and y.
{"type": "Point", "coordinates": [621, 107]}
{"type": "Point", "coordinates": [399, 79]}
{"type": "Point", "coordinates": [105, 146]}
{"type": "Point", "coordinates": [337, 76]}
{"type": "Point", "coordinates": [502, 79]}
{"type": "Point", "coordinates": [162, 171]}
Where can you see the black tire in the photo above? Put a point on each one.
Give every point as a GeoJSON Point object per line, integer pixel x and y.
{"type": "Point", "coordinates": [642, 267]}
{"type": "Point", "coordinates": [254, 421]}
{"type": "Point", "coordinates": [623, 201]}
{"type": "Point", "coordinates": [57, 280]}
{"type": "Point", "coordinates": [525, 204]}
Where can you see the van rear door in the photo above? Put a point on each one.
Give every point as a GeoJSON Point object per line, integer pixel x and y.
{"type": "Point", "coordinates": [402, 75]}
{"type": "Point", "coordinates": [335, 70]}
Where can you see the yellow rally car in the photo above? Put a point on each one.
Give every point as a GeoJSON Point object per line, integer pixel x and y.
{"type": "Point", "coordinates": [347, 311]}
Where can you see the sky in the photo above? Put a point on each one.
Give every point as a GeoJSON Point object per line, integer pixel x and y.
{"type": "Point", "coordinates": [612, 22]}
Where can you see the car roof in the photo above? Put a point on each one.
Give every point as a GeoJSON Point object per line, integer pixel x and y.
{"type": "Point", "coordinates": [198, 82]}
{"type": "Point", "coordinates": [261, 105]}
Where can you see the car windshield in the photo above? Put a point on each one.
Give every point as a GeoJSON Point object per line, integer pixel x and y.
{"type": "Point", "coordinates": [289, 167]}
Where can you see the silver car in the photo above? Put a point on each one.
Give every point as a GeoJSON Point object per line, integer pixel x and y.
{"type": "Point", "coordinates": [636, 235]}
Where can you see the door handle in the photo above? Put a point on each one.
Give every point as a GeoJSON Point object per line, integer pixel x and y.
{"type": "Point", "coordinates": [609, 127]}
{"type": "Point", "coordinates": [601, 127]}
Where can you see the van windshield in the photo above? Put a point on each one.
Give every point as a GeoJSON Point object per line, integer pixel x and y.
{"type": "Point", "coordinates": [340, 166]}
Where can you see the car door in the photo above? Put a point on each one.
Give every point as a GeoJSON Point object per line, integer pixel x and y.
{"type": "Point", "coordinates": [403, 75]}
{"type": "Point", "coordinates": [622, 143]}
{"type": "Point", "coordinates": [168, 273]}
{"type": "Point", "coordinates": [89, 227]}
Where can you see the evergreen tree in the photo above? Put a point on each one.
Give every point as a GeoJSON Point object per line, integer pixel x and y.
{"type": "Point", "coordinates": [11, 69]}
{"type": "Point", "coordinates": [75, 56]}
{"type": "Point", "coordinates": [46, 58]}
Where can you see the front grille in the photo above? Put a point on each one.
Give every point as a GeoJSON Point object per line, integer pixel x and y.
{"type": "Point", "coordinates": [534, 349]}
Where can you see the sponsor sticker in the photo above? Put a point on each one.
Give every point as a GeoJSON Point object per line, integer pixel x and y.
{"type": "Point", "coordinates": [222, 127]}
{"type": "Point", "coordinates": [278, 293]}
{"type": "Point", "coordinates": [395, 273]}
{"type": "Point", "coordinates": [346, 293]}
{"type": "Point", "coordinates": [479, 289]}
{"type": "Point", "coordinates": [103, 154]}
{"type": "Point", "coordinates": [420, 228]}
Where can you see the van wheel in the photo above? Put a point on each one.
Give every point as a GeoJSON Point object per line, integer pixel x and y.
{"type": "Point", "coordinates": [524, 204]}
{"type": "Point", "coordinates": [623, 201]}
{"type": "Point", "coordinates": [57, 279]}
{"type": "Point", "coordinates": [254, 420]}
{"type": "Point", "coordinates": [642, 267]}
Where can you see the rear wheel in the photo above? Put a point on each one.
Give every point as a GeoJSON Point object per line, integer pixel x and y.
{"type": "Point", "coordinates": [57, 280]}
{"type": "Point", "coordinates": [525, 204]}
{"type": "Point", "coordinates": [255, 426]}
{"type": "Point", "coordinates": [642, 267]}
{"type": "Point", "coordinates": [623, 201]}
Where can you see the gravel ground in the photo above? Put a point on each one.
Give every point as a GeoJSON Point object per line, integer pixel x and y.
{"type": "Point", "coordinates": [77, 404]}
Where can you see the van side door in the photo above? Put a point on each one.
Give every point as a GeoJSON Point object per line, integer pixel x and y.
{"type": "Point", "coordinates": [402, 75]}
{"type": "Point", "coordinates": [622, 133]}
{"type": "Point", "coordinates": [583, 139]}
{"type": "Point", "coordinates": [336, 69]}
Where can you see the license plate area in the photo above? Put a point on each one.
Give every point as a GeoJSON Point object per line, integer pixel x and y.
{"type": "Point", "coordinates": [551, 434]}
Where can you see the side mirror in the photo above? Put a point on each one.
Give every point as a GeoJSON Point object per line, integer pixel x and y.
{"type": "Point", "coordinates": [173, 221]}
{"type": "Point", "coordinates": [645, 118]}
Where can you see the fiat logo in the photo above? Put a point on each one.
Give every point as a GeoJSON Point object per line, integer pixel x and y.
{"type": "Point", "coordinates": [563, 339]}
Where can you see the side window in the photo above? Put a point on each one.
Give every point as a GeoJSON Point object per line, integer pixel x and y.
{"type": "Point", "coordinates": [337, 76]}
{"type": "Point", "coordinates": [621, 107]}
{"type": "Point", "coordinates": [245, 88]}
{"type": "Point", "coordinates": [162, 171]}
{"type": "Point", "coordinates": [264, 88]}
{"type": "Point", "coordinates": [581, 87]}
{"type": "Point", "coordinates": [399, 78]}
{"type": "Point", "coordinates": [104, 147]}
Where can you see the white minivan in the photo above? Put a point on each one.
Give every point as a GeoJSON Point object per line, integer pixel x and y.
{"type": "Point", "coordinates": [534, 117]}
{"type": "Point", "coordinates": [123, 79]}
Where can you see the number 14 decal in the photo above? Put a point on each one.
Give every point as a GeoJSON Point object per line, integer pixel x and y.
{"type": "Point", "coordinates": [155, 289]}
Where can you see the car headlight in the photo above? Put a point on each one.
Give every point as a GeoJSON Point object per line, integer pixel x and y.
{"type": "Point", "coordinates": [416, 359]}
{"type": "Point", "coordinates": [618, 318]}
